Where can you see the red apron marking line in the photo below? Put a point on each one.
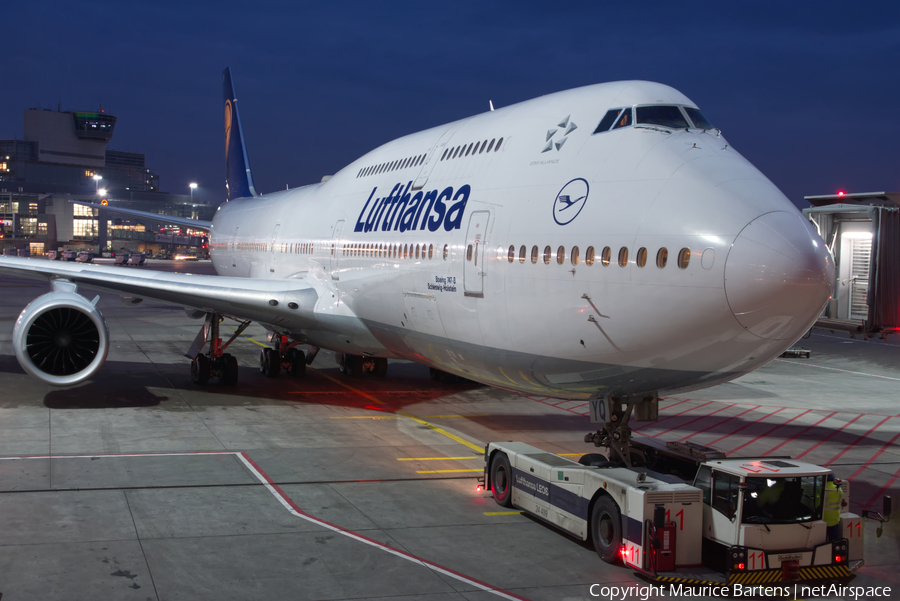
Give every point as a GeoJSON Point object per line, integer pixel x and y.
{"type": "Point", "coordinates": [769, 431]}
{"type": "Point", "coordinates": [858, 373]}
{"type": "Point", "coordinates": [92, 455]}
{"type": "Point", "coordinates": [813, 448]}
{"type": "Point", "coordinates": [874, 457]}
{"type": "Point", "coordinates": [680, 426]}
{"type": "Point", "coordinates": [288, 503]}
{"type": "Point", "coordinates": [770, 451]}
{"type": "Point", "coordinates": [852, 444]}
{"type": "Point", "coordinates": [753, 422]}
{"type": "Point", "coordinates": [671, 416]}
{"type": "Point", "coordinates": [881, 491]}
{"type": "Point", "coordinates": [727, 419]}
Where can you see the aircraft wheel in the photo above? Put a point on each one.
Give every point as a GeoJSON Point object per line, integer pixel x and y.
{"type": "Point", "coordinates": [593, 459]}
{"type": "Point", "coordinates": [351, 365]}
{"type": "Point", "coordinates": [297, 360]}
{"type": "Point", "coordinates": [501, 480]}
{"type": "Point", "coordinates": [606, 529]}
{"type": "Point", "coordinates": [230, 369]}
{"type": "Point", "coordinates": [271, 362]}
{"type": "Point", "coordinates": [200, 370]}
{"type": "Point", "coordinates": [381, 366]}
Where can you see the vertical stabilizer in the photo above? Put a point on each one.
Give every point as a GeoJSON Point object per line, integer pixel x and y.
{"type": "Point", "coordinates": [238, 180]}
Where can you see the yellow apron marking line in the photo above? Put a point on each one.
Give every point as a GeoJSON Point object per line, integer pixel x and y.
{"type": "Point", "coordinates": [502, 512]}
{"type": "Point", "coordinates": [478, 469]}
{"type": "Point", "coordinates": [363, 417]}
{"type": "Point", "coordinates": [434, 458]}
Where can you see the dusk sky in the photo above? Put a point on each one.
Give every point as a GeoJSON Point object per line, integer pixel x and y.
{"type": "Point", "coordinates": [807, 91]}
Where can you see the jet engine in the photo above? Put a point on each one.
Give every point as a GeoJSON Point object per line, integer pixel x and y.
{"type": "Point", "coordinates": [60, 338]}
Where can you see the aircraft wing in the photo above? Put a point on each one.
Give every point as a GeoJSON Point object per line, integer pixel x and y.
{"type": "Point", "coordinates": [197, 224]}
{"type": "Point", "coordinates": [288, 302]}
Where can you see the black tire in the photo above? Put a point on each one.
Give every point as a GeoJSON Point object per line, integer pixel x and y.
{"type": "Point", "coordinates": [606, 529]}
{"type": "Point", "coordinates": [297, 360]}
{"type": "Point", "coordinates": [230, 370]}
{"type": "Point", "coordinates": [501, 480]}
{"type": "Point", "coordinates": [381, 366]}
{"type": "Point", "coordinates": [200, 370]}
{"type": "Point", "coordinates": [272, 362]}
{"type": "Point", "coordinates": [351, 365]}
{"type": "Point", "coordinates": [593, 459]}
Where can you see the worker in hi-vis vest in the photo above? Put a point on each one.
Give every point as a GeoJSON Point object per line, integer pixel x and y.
{"type": "Point", "coordinates": [832, 511]}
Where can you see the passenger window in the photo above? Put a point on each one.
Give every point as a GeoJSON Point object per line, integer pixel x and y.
{"type": "Point", "coordinates": [547, 251]}
{"type": "Point", "coordinates": [604, 256]}
{"type": "Point", "coordinates": [697, 117]}
{"type": "Point", "coordinates": [641, 257]}
{"type": "Point", "coordinates": [499, 144]}
{"type": "Point", "coordinates": [417, 251]}
{"type": "Point", "coordinates": [624, 120]}
{"type": "Point", "coordinates": [589, 255]}
{"type": "Point", "coordinates": [684, 258]}
{"type": "Point", "coordinates": [512, 254]}
{"type": "Point", "coordinates": [703, 481]}
{"type": "Point", "coordinates": [469, 149]}
{"type": "Point", "coordinates": [405, 251]}
{"type": "Point", "coordinates": [483, 144]}
{"type": "Point", "coordinates": [430, 251]}
{"type": "Point", "coordinates": [623, 256]}
{"type": "Point", "coordinates": [522, 251]}
{"type": "Point", "coordinates": [667, 116]}
{"type": "Point", "coordinates": [446, 251]}
{"type": "Point", "coordinates": [574, 257]}
{"type": "Point", "coordinates": [469, 253]}
{"type": "Point", "coordinates": [491, 145]}
{"type": "Point", "coordinates": [725, 493]}
{"type": "Point", "coordinates": [561, 255]}
{"type": "Point", "coordinates": [534, 254]}
{"type": "Point", "coordinates": [607, 120]}
{"type": "Point", "coordinates": [662, 257]}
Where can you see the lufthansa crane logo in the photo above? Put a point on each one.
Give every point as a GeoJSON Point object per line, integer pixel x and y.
{"type": "Point", "coordinates": [570, 200]}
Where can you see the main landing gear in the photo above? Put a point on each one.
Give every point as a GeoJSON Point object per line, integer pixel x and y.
{"type": "Point", "coordinates": [615, 435]}
{"type": "Point", "coordinates": [285, 356]}
{"type": "Point", "coordinates": [355, 365]}
{"type": "Point", "coordinates": [216, 363]}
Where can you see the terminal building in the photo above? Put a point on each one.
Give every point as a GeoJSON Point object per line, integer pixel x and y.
{"type": "Point", "coordinates": [65, 156]}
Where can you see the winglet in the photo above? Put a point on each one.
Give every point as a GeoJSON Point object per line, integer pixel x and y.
{"type": "Point", "coordinates": [238, 179]}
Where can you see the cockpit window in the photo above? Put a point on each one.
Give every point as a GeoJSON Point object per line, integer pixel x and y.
{"type": "Point", "coordinates": [697, 117]}
{"type": "Point", "coordinates": [666, 116]}
{"type": "Point", "coordinates": [607, 120]}
{"type": "Point", "coordinates": [623, 120]}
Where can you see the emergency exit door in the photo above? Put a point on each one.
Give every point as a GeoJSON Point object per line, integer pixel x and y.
{"type": "Point", "coordinates": [474, 266]}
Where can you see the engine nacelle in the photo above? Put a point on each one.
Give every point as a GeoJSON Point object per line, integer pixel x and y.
{"type": "Point", "coordinates": [61, 338]}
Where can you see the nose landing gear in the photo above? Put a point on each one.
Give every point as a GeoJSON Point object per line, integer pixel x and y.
{"type": "Point", "coordinates": [614, 412]}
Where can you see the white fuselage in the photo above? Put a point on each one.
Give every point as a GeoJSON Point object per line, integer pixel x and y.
{"type": "Point", "coordinates": [756, 274]}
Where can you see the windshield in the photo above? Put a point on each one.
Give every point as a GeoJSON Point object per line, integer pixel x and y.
{"type": "Point", "coordinates": [697, 117]}
{"type": "Point", "coordinates": [667, 116]}
{"type": "Point", "coordinates": [783, 500]}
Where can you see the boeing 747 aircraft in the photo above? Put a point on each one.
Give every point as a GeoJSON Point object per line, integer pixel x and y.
{"type": "Point", "coordinates": [603, 243]}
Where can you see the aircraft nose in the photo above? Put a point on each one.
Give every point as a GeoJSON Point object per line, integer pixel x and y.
{"type": "Point", "coordinates": [778, 276]}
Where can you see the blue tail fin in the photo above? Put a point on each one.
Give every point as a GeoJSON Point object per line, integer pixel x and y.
{"type": "Point", "coordinates": [238, 180]}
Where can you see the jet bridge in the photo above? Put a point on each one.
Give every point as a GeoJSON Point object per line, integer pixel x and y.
{"type": "Point", "coordinates": [863, 233]}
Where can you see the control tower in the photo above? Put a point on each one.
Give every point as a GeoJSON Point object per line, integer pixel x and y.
{"type": "Point", "coordinates": [71, 138]}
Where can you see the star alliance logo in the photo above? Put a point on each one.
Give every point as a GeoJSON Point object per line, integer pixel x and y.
{"type": "Point", "coordinates": [566, 124]}
{"type": "Point", "coordinates": [570, 201]}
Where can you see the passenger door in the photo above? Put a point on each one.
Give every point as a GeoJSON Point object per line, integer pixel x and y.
{"type": "Point", "coordinates": [474, 266]}
{"type": "Point", "coordinates": [336, 250]}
